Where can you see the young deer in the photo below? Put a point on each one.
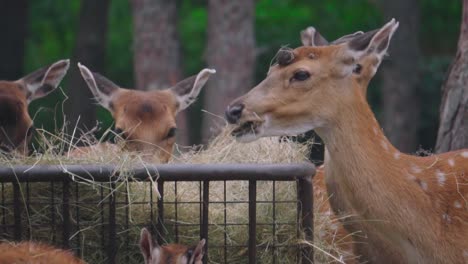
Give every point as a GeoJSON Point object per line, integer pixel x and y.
{"type": "Point", "coordinates": [145, 119]}
{"type": "Point", "coordinates": [169, 254]}
{"type": "Point", "coordinates": [368, 247]}
{"type": "Point", "coordinates": [35, 253]}
{"type": "Point", "coordinates": [416, 205]}
{"type": "Point", "coordinates": [16, 126]}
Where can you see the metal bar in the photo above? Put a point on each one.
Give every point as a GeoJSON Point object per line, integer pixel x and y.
{"type": "Point", "coordinates": [274, 223]}
{"type": "Point", "coordinates": [17, 210]}
{"type": "Point", "coordinates": [165, 172]}
{"type": "Point", "coordinates": [112, 246]}
{"type": "Point", "coordinates": [252, 222]}
{"type": "Point", "coordinates": [66, 214]}
{"type": "Point", "coordinates": [77, 218]}
{"type": "Point", "coordinates": [204, 230]}
{"type": "Point", "coordinates": [52, 211]}
{"type": "Point", "coordinates": [3, 210]}
{"type": "Point", "coordinates": [160, 223]}
{"type": "Point", "coordinates": [225, 222]}
{"type": "Point", "coordinates": [176, 216]}
{"type": "Point", "coordinates": [305, 196]}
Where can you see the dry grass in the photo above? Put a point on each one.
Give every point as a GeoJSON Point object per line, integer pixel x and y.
{"type": "Point", "coordinates": [91, 205]}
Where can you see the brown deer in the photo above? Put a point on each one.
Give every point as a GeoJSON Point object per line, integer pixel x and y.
{"type": "Point", "coordinates": [35, 253]}
{"type": "Point", "coordinates": [144, 119]}
{"type": "Point", "coordinates": [171, 253]}
{"type": "Point", "coordinates": [417, 206]}
{"type": "Point", "coordinates": [16, 125]}
{"type": "Point", "coordinates": [367, 247]}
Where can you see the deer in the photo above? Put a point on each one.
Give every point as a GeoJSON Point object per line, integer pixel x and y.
{"type": "Point", "coordinates": [367, 247]}
{"type": "Point", "coordinates": [28, 252]}
{"type": "Point", "coordinates": [16, 125]}
{"type": "Point", "coordinates": [171, 253]}
{"type": "Point", "coordinates": [417, 206]}
{"type": "Point", "coordinates": [146, 120]}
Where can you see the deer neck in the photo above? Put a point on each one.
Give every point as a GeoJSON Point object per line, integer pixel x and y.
{"type": "Point", "coordinates": [361, 159]}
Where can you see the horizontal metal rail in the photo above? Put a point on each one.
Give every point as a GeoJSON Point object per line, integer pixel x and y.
{"type": "Point", "coordinates": [165, 172]}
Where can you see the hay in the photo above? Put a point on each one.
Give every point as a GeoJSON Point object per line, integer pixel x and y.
{"type": "Point", "coordinates": [93, 199]}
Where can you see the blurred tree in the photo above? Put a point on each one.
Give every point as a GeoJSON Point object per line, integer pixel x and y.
{"type": "Point", "coordinates": [400, 76]}
{"type": "Point", "coordinates": [14, 19]}
{"type": "Point", "coordinates": [231, 51]}
{"type": "Point", "coordinates": [89, 50]}
{"type": "Point", "coordinates": [157, 53]}
{"type": "Point", "coordinates": [453, 129]}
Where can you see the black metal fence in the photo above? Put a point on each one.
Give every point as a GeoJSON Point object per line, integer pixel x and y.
{"type": "Point", "coordinates": [55, 194]}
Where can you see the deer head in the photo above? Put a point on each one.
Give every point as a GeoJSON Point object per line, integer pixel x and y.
{"type": "Point", "coordinates": [146, 119]}
{"type": "Point", "coordinates": [16, 126]}
{"type": "Point", "coordinates": [171, 253]}
{"type": "Point", "coordinates": [309, 87]}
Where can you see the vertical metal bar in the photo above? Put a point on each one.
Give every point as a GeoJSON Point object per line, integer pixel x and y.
{"type": "Point", "coordinates": [127, 216]}
{"type": "Point", "coordinates": [160, 223]}
{"type": "Point", "coordinates": [252, 221]}
{"type": "Point", "coordinates": [17, 210]}
{"type": "Point", "coordinates": [204, 230]}
{"type": "Point", "coordinates": [274, 223]}
{"type": "Point", "coordinates": [176, 226]}
{"type": "Point", "coordinates": [112, 246]}
{"type": "Point", "coordinates": [28, 211]}
{"type": "Point", "coordinates": [103, 241]}
{"type": "Point", "coordinates": [66, 213]}
{"type": "Point", "coordinates": [305, 196]}
{"type": "Point", "coordinates": [3, 210]}
{"type": "Point", "coordinates": [225, 224]}
{"type": "Point", "coordinates": [52, 210]}
{"type": "Point", "coordinates": [77, 217]}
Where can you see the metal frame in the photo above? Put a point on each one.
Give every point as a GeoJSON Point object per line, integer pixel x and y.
{"type": "Point", "coordinates": [301, 173]}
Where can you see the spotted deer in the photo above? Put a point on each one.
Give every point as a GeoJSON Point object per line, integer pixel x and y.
{"type": "Point", "coordinates": [366, 245]}
{"type": "Point", "coordinates": [171, 253]}
{"type": "Point", "coordinates": [35, 253]}
{"type": "Point", "coordinates": [417, 206]}
{"type": "Point", "coordinates": [16, 125]}
{"type": "Point", "coordinates": [146, 120]}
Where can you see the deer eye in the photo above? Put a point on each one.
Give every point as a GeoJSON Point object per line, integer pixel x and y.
{"type": "Point", "coordinates": [172, 132]}
{"type": "Point", "coordinates": [301, 76]}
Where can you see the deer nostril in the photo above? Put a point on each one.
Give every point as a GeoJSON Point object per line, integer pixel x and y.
{"type": "Point", "coordinates": [234, 113]}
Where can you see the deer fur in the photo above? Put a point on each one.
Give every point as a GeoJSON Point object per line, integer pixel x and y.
{"type": "Point", "coordinates": [146, 120]}
{"type": "Point", "coordinates": [16, 125]}
{"type": "Point", "coordinates": [417, 206]}
{"type": "Point", "coordinates": [35, 253]}
{"type": "Point", "coordinates": [171, 253]}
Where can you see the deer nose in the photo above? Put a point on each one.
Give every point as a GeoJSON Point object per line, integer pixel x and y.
{"type": "Point", "coordinates": [234, 113]}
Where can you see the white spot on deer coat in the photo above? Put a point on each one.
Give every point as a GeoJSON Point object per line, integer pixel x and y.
{"type": "Point", "coordinates": [411, 177]}
{"type": "Point", "coordinates": [376, 131]}
{"type": "Point", "coordinates": [415, 169]}
{"type": "Point", "coordinates": [464, 154]}
{"type": "Point", "coordinates": [424, 185]}
{"type": "Point", "coordinates": [440, 177]}
{"type": "Point", "coordinates": [396, 155]}
{"type": "Point", "coordinates": [457, 204]}
{"type": "Point", "coordinates": [384, 145]}
{"type": "Point", "coordinates": [451, 162]}
{"type": "Point", "coordinates": [446, 218]}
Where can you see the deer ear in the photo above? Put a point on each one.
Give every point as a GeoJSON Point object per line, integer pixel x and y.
{"type": "Point", "coordinates": [198, 252]}
{"type": "Point", "coordinates": [102, 88]}
{"type": "Point", "coordinates": [311, 37]}
{"type": "Point", "coordinates": [45, 80]}
{"type": "Point", "coordinates": [146, 244]}
{"type": "Point", "coordinates": [374, 42]}
{"type": "Point", "coordinates": [186, 91]}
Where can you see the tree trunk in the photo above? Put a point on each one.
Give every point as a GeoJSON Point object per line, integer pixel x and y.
{"type": "Point", "coordinates": [231, 51]}
{"type": "Point", "coordinates": [453, 129]}
{"type": "Point", "coordinates": [400, 76]}
{"type": "Point", "coordinates": [90, 51]}
{"type": "Point", "coordinates": [157, 52]}
{"type": "Point", "coordinates": [13, 18]}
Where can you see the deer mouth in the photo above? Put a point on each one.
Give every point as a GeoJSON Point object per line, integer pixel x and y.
{"type": "Point", "coordinates": [247, 128]}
